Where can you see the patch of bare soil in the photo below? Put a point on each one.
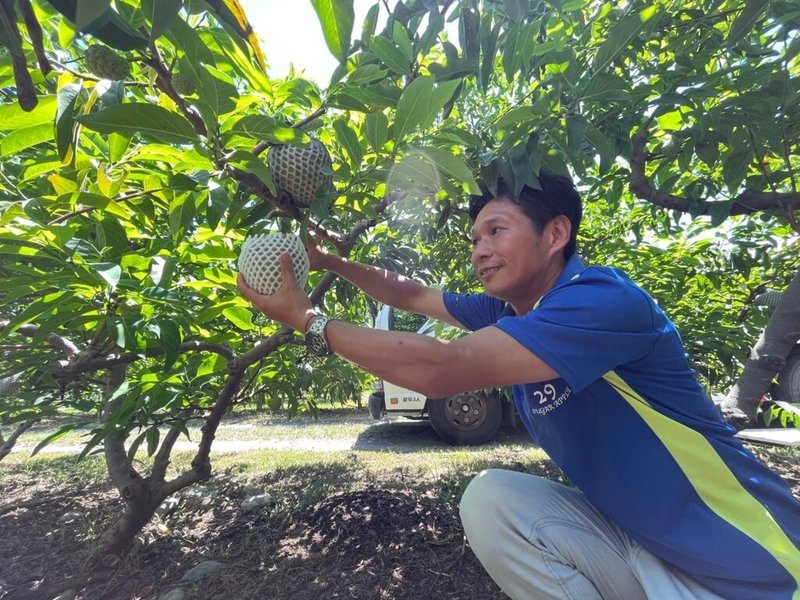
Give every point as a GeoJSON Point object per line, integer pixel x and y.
{"type": "Point", "coordinates": [336, 531]}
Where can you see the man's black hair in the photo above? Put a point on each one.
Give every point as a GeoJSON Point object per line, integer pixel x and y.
{"type": "Point", "coordinates": [558, 196]}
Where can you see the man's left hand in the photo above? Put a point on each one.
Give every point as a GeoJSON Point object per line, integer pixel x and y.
{"type": "Point", "coordinates": [290, 304]}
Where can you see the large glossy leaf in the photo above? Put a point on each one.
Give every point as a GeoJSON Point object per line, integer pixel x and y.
{"type": "Point", "coordinates": [336, 18]}
{"type": "Point", "coordinates": [376, 130]}
{"type": "Point", "coordinates": [453, 166]}
{"type": "Point", "coordinates": [413, 106]}
{"type": "Point", "coordinates": [746, 19]}
{"type": "Point", "coordinates": [147, 120]}
{"type": "Point", "coordinates": [20, 139]}
{"type": "Point", "coordinates": [162, 14]}
{"type": "Point", "coordinates": [13, 117]}
{"type": "Point", "coordinates": [65, 120]}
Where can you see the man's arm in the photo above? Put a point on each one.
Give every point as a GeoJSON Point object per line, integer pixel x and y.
{"type": "Point", "coordinates": [488, 357]}
{"type": "Point", "coordinates": [385, 286]}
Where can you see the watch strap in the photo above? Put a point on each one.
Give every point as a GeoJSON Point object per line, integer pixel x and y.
{"type": "Point", "coordinates": [316, 342]}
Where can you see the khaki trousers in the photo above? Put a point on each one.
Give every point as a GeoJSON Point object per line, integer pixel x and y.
{"type": "Point", "coordinates": [542, 540]}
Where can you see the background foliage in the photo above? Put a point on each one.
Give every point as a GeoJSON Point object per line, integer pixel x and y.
{"type": "Point", "coordinates": [124, 203]}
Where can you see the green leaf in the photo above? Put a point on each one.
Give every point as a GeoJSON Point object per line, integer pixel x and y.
{"type": "Point", "coordinates": [746, 20]}
{"type": "Point", "coordinates": [265, 128]}
{"type": "Point", "coordinates": [162, 268]}
{"type": "Point", "coordinates": [454, 166]}
{"type": "Point", "coordinates": [376, 130]}
{"type": "Point", "coordinates": [734, 167]}
{"type": "Point", "coordinates": [603, 146]}
{"type": "Point", "coordinates": [336, 18]}
{"type": "Point", "coordinates": [390, 55]}
{"type": "Point", "coordinates": [169, 334]}
{"type": "Point", "coordinates": [254, 165]}
{"type": "Point", "coordinates": [442, 94]}
{"type": "Point", "coordinates": [182, 210]}
{"type": "Point", "coordinates": [619, 38]}
{"type": "Point", "coordinates": [21, 139]}
{"type": "Point", "coordinates": [152, 436]}
{"type": "Point", "coordinates": [162, 16]}
{"type": "Point", "coordinates": [520, 114]}
{"type": "Point", "coordinates": [117, 146]}
{"type": "Point", "coordinates": [348, 139]}
{"type": "Point", "coordinates": [576, 130]}
{"type": "Point", "coordinates": [110, 272]}
{"type": "Point", "coordinates": [368, 73]}
{"type": "Point", "coordinates": [370, 22]}
{"type": "Point", "coordinates": [62, 431]}
{"type": "Point", "coordinates": [488, 50]}
{"type": "Point", "coordinates": [218, 202]}
{"type": "Point", "coordinates": [241, 317]}
{"type": "Point", "coordinates": [148, 120]}
{"type": "Point", "coordinates": [215, 93]}
{"type": "Point", "coordinates": [65, 120]}
{"type": "Point", "coordinates": [88, 11]}
{"type": "Point", "coordinates": [13, 117]}
{"type": "Point", "coordinates": [413, 106]}
{"type": "Point", "coordinates": [402, 41]}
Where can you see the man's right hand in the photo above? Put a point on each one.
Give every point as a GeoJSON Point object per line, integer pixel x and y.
{"type": "Point", "coordinates": [316, 255]}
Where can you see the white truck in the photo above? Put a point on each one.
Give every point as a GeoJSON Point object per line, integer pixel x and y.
{"type": "Point", "coordinates": [468, 418]}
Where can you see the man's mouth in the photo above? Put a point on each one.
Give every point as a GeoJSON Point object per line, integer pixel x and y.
{"type": "Point", "coordinates": [487, 271]}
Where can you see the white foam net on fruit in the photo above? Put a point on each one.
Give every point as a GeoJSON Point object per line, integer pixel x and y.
{"type": "Point", "coordinates": [258, 261]}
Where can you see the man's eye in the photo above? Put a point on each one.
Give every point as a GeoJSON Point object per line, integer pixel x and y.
{"type": "Point", "coordinates": [495, 230]}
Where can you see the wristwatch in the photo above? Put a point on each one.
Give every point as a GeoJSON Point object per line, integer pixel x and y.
{"type": "Point", "coordinates": [316, 342]}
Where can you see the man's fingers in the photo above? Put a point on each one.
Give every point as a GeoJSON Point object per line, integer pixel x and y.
{"type": "Point", "coordinates": [246, 290]}
{"type": "Point", "coordinates": [287, 270]}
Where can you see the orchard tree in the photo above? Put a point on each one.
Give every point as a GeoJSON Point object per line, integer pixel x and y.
{"type": "Point", "coordinates": [138, 139]}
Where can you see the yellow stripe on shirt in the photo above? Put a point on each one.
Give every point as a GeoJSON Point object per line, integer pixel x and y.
{"type": "Point", "coordinates": [714, 482]}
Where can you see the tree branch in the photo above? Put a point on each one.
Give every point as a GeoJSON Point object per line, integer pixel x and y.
{"type": "Point", "coordinates": [106, 362]}
{"type": "Point", "coordinates": [161, 461]}
{"type": "Point", "coordinates": [260, 189]}
{"type": "Point", "coordinates": [748, 202]}
{"type": "Point", "coordinates": [164, 79]}
{"type": "Point", "coordinates": [59, 343]}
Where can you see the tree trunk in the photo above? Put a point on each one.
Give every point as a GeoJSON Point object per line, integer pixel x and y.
{"type": "Point", "coordinates": [143, 495]}
{"type": "Point", "coordinates": [768, 356]}
{"type": "Point", "coordinates": [7, 445]}
{"type": "Point", "coordinates": [141, 499]}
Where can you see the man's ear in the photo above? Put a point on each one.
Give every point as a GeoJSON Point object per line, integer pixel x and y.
{"type": "Point", "coordinates": [559, 229]}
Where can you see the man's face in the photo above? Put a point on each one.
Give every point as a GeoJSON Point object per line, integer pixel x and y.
{"type": "Point", "coordinates": [509, 256]}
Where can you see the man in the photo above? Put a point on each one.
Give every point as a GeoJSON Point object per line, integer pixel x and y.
{"type": "Point", "coordinates": [668, 505]}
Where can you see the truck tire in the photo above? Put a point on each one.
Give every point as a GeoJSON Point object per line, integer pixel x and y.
{"type": "Point", "coordinates": [466, 419]}
{"type": "Point", "coordinates": [788, 387]}
{"type": "Point", "coordinates": [375, 405]}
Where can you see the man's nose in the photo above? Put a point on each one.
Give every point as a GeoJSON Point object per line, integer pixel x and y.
{"type": "Point", "coordinates": [480, 251]}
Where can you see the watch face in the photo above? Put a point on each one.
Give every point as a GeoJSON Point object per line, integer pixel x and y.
{"type": "Point", "coordinates": [316, 345]}
{"type": "Point", "coordinates": [315, 338]}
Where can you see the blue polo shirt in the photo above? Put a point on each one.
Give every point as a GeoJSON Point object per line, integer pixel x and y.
{"type": "Point", "coordinates": [630, 426]}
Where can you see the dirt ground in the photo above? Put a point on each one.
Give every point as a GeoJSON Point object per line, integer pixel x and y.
{"type": "Point", "coordinates": [361, 535]}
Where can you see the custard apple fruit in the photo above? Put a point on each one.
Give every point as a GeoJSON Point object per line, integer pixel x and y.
{"type": "Point", "coordinates": [258, 261]}
{"type": "Point", "coordinates": [183, 84]}
{"type": "Point", "coordinates": [768, 298]}
{"type": "Point", "coordinates": [301, 172]}
{"type": "Point", "coordinates": [106, 64]}
{"type": "Point", "coordinates": [9, 385]}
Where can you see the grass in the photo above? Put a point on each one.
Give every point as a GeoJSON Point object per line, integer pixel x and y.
{"type": "Point", "coordinates": [349, 422]}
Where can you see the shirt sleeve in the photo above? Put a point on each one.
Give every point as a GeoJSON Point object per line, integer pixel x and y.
{"type": "Point", "coordinates": [588, 327]}
{"type": "Point", "coordinates": [473, 311]}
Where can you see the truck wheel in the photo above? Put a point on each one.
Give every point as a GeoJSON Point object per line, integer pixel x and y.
{"type": "Point", "coordinates": [375, 405]}
{"type": "Point", "coordinates": [469, 418]}
{"type": "Point", "coordinates": [788, 388]}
